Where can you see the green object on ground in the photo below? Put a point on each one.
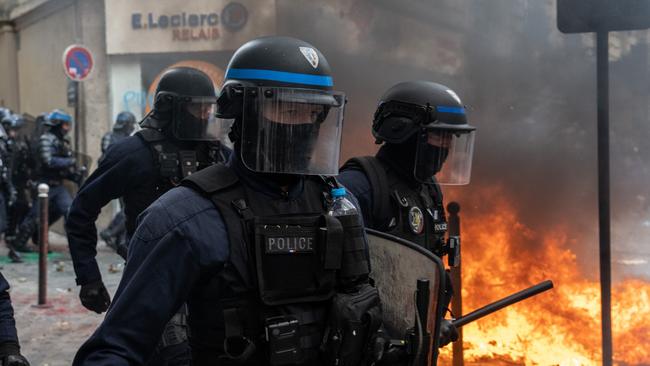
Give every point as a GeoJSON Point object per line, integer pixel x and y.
{"type": "Point", "coordinates": [31, 257]}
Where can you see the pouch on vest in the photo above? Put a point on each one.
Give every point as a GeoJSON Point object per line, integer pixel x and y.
{"type": "Point", "coordinates": [168, 164]}
{"type": "Point", "coordinates": [355, 259]}
{"type": "Point", "coordinates": [355, 318]}
{"type": "Point", "coordinates": [290, 255]}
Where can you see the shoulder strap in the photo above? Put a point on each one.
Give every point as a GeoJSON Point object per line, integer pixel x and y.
{"type": "Point", "coordinates": [435, 188]}
{"type": "Point", "coordinates": [376, 174]}
{"type": "Point", "coordinates": [211, 179]}
{"type": "Point", "coordinates": [219, 183]}
{"type": "Point", "coordinates": [150, 135]}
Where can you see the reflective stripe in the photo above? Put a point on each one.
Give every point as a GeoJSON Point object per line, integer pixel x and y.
{"type": "Point", "coordinates": [454, 110]}
{"type": "Point", "coordinates": [288, 77]}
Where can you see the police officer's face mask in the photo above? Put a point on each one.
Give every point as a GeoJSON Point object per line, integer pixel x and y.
{"type": "Point", "coordinates": [297, 137]}
{"type": "Point", "coordinates": [194, 119]}
{"type": "Point", "coordinates": [65, 128]}
{"type": "Point", "coordinates": [291, 131]}
{"type": "Point", "coordinates": [447, 154]}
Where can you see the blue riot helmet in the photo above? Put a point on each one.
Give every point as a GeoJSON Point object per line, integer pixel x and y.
{"type": "Point", "coordinates": [287, 117]}
{"type": "Point", "coordinates": [59, 119]}
{"type": "Point", "coordinates": [428, 120]}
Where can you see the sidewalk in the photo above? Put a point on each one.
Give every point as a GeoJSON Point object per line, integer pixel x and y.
{"type": "Point", "coordinates": [51, 337]}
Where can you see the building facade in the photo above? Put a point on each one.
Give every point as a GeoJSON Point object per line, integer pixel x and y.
{"type": "Point", "coordinates": [132, 43]}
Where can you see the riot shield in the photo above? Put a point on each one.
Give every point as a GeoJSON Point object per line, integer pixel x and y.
{"type": "Point", "coordinates": [397, 265]}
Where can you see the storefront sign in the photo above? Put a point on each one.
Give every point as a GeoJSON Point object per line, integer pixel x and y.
{"type": "Point", "coordinates": [146, 26]}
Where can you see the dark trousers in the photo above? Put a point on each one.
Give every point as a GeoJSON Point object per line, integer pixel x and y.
{"type": "Point", "coordinates": [59, 201]}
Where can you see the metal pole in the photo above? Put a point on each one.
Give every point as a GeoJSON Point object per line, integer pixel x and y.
{"type": "Point", "coordinates": [422, 305]}
{"type": "Point", "coordinates": [43, 190]}
{"type": "Point", "coordinates": [76, 115]}
{"type": "Point", "coordinates": [602, 70]}
{"type": "Point", "coordinates": [500, 304]}
{"type": "Point", "coordinates": [453, 208]}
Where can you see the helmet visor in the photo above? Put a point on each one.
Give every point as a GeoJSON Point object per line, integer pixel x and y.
{"type": "Point", "coordinates": [195, 120]}
{"type": "Point", "coordinates": [447, 154]}
{"type": "Point", "coordinates": [292, 131]}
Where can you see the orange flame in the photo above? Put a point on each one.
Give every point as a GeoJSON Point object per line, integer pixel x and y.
{"type": "Point", "coordinates": [559, 327]}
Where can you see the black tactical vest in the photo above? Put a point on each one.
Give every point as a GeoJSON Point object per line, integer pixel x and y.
{"type": "Point", "coordinates": [172, 166]}
{"type": "Point", "coordinates": [174, 163]}
{"type": "Point", "coordinates": [269, 304]}
{"type": "Point", "coordinates": [414, 213]}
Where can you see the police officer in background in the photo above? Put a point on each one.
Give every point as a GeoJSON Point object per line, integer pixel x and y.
{"type": "Point", "coordinates": [8, 196]}
{"type": "Point", "coordinates": [115, 234]}
{"type": "Point", "coordinates": [211, 243]}
{"type": "Point", "coordinates": [55, 163]}
{"type": "Point", "coordinates": [9, 346]}
{"type": "Point", "coordinates": [426, 142]}
{"type": "Point", "coordinates": [16, 170]}
{"type": "Point", "coordinates": [178, 138]}
{"type": "Point", "coordinates": [122, 128]}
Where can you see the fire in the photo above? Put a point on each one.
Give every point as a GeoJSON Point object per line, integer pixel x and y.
{"type": "Point", "coordinates": [559, 327]}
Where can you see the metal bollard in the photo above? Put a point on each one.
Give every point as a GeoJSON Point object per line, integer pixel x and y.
{"type": "Point", "coordinates": [43, 193]}
{"type": "Point", "coordinates": [453, 208]}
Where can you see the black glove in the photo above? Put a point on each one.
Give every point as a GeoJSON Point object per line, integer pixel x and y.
{"type": "Point", "coordinates": [448, 333]}
{"type": "Point", "coordinates": [94, 297]}
{"type": "Point", "coordinates": [15, 360]}
{"type": "Point", "coordinates": [78, 175]}
{"type": "Point", "coordinates": [10, 355]}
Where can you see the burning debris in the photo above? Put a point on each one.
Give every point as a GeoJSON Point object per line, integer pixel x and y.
{"type": "Point", "coordinates": [562, 327]}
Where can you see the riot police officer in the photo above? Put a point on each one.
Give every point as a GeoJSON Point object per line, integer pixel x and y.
{"type": "Point", "coordinates": [8, 194]}
{"type": "Point", "coordinates": [213, 243]}
{"type": "Point", "coordinates": [9, 346]}
{"type": "Point", "coordinates": [123, 127]}
{"type": "Point", "coordinates": [115, 234]}
{"type": "Point", "coordinates": [426, 142]}
{"type": "Point", "coordinates": [55, 163]}
{"type": "Point", "coordinates": [17, 171]}
{"type": "Point", "coordinates": [177, 139]}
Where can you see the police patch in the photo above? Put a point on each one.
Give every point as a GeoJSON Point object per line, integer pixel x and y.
{"type": "Point", "coordinates": [416, 220]}
{"type": "Point", "coordinates": [311, 56]}
{"type": "Point", "coordinates": [288, 244]}
{"type": "Point", "coordinates": [440, 227]}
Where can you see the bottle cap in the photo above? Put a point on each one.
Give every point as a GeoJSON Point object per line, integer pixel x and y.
{"type": "Point", "coordinates": [338, 192]}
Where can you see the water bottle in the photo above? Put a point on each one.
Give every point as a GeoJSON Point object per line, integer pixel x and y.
{"type": "Point", "coordinates": [341, 205]}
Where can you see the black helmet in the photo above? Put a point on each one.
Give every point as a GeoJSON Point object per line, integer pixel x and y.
{"type": "Point", "coordinates": [431, 118]}
{"type": "Point", "coordinates": [185, 97]}
{"type": "Point", "coordinates": [279, 91]}
{"type": "Point", "coordinates": [124, 122]}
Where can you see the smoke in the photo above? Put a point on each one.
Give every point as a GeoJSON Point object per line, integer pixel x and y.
{"type": "Point", "coordinates": [531, 91]}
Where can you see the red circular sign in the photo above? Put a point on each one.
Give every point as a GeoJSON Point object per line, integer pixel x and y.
{"type": "Point", "coordinates": [77, 62]}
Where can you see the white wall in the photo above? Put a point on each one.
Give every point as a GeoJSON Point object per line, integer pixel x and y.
{"type": "Point", "coordinates": [126, 90]}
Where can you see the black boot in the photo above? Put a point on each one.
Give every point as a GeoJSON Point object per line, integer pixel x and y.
{"type": "Point", "coordinates": [14, 256]}
{"type": "Point", "coordinates": [24, 232]}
